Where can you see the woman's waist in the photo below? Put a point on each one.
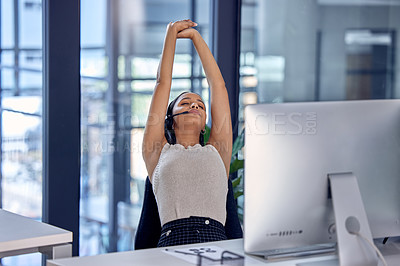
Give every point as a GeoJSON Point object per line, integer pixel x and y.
{"type": "Point", "coordinates": [192, 222]}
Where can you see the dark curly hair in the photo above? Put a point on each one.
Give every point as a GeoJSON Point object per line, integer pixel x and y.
{"type": "Point", "coordinates": [169, 132]}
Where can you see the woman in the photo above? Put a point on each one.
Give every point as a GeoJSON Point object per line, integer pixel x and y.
{"type": "Point", "coordinates": [189, 179]}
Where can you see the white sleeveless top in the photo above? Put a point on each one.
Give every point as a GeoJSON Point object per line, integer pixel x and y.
{"type": "Point", "coordinates": [190, 182]}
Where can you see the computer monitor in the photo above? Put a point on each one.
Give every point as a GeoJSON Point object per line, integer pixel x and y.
{"type": "Point", "coordinates": [290, 149]}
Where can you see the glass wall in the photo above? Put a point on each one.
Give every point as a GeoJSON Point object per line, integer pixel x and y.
{"type": "Point", "coordinates": [21, 113]}
{"type": "Point", "coordinates": [121, 44]}
{"type": "Point", "coordinates": [318, 50]}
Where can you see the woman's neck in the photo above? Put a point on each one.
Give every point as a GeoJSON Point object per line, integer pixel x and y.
{"type": "Point", "coordinates": [187, 138]}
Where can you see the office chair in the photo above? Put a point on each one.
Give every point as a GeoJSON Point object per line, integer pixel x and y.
{"type": "Point", "coordinates": [149, 227]}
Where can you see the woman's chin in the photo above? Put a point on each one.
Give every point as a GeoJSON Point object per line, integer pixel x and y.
{"type": "Point", "coordinates": [190, 127]}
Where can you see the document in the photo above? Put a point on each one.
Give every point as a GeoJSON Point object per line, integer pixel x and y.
{"type": "Point", "coordinates": [206, 255]}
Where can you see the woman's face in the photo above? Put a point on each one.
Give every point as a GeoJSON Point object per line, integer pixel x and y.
{"type": "Point", "coordinates": [192, 103]}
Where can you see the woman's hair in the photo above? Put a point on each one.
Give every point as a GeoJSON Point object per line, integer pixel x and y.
{"type": "Point", "coordinates": [169, 132]}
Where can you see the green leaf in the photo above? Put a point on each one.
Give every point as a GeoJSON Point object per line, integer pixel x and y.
{"type": "Point", "coordinates": [207, 134]}
{"type": "Point", "coordinates": [236, 165]}
{"type": "Point", "coordinates": [238, 144]}
{"type": "Point", "coordinates": [238, 194]}
{"type": "Point", "coordinates": [236, 182]}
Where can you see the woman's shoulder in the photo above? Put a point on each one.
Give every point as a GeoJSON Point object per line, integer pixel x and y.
{"type": "Point", "coordinates": [151, 158]}
{"type": "Point", "coordinates": [219, 147]}
{"type": "Point", "coordinates": [224, 149]}
{"type": "Point", "coordinates": [211, 147]}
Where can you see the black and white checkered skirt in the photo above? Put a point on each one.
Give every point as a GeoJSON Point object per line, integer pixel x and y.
{"type": "Point", "coordinates": [191, 230]}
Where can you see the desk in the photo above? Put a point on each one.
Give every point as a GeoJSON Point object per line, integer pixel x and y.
{"type": "Point", "coordinates": [21, 235]}
{"type": "Point", "coordinates": [156, 256]}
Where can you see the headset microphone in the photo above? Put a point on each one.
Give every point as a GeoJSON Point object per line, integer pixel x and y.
{"type": "Point", "coordinates": [186, 112]}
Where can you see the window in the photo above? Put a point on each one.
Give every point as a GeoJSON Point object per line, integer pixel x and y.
{"type": "Point", "coordinates": [370, 64]}
{"type": "Point", "coordinates": [21, 113]}
{"type": "Point", "coordinates": [121, 46]}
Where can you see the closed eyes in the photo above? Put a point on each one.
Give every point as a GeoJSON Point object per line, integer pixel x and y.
{"type": "Point", "coordinates": [185, 103]}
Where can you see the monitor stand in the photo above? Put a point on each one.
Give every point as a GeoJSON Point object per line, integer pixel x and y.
{"type": "Point", "coordinates": [350, 217]}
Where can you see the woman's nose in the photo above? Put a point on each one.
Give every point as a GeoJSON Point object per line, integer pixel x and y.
{"type": "Point", "coordinates": [194, 105]}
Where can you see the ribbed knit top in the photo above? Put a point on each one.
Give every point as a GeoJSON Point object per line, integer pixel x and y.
{"type": "Point", "coordinates": [190, 182]}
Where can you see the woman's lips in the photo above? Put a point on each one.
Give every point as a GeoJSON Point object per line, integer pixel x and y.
{"type": "Point", "coordinates": [194, 112]}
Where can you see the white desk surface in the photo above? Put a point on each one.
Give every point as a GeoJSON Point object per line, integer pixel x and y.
{"type": "Point", "coordinates": [157, 257]}
{"type": "Point", "coordinates": [18, 232]}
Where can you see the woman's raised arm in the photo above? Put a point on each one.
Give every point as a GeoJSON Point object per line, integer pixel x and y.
{"type": "Point", "coordinates": [153, 138]}
{"type": "Point", "coordinates": [221, 130]}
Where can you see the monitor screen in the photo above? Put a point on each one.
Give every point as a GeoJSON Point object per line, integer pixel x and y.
{"type": "Point", "coordinates": [290, 149]}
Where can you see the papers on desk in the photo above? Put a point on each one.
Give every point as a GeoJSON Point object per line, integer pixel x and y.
{"type": "Point", "coordinates": [206, 255]}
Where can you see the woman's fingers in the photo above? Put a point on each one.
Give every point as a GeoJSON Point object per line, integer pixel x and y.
{"type": "Point", "coordinates": [183, 24]}
{"type": "Point", "coordinates": [187, 33]}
